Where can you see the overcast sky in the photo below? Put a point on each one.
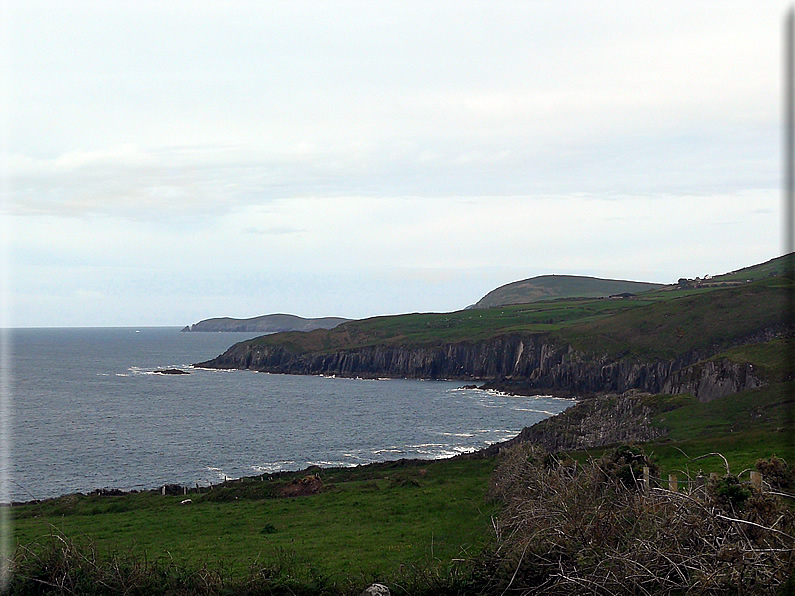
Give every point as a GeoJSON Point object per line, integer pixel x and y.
{"type": "Point", "coordinates": [169, 162]}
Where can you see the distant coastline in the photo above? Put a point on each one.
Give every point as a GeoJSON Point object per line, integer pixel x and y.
{"type": "Point", "coordinates": [273, 323]}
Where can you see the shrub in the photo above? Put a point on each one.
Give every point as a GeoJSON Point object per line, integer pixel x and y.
{"type": "Point", "coordinates": [626, 463]}
{"type": "Point", "coordinates": [582, 529]}
{"type": "Point", "coordinates": [729, 493]}
{"type": "Point", "coordinates": [776, 472]}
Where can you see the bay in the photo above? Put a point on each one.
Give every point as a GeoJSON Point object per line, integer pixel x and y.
{"type": "Point", "coordinates": [88, 411]}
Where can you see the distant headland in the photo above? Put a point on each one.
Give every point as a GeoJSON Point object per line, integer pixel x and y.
{"type": "Point", "coordinates": [275, 323]}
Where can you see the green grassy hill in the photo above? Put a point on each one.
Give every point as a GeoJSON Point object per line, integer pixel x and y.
{"type": "Point", "coordinates": [778, 266]}
{"type": "Point", "coordinates": [549, 287]}
{"type": "Point", "coordinates": [710, 319]}
{"type": "Point", "coordinates": [421, 329]}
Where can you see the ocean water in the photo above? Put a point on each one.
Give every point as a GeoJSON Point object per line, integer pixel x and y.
{"type": "Point", "coordinates": [89, 412]}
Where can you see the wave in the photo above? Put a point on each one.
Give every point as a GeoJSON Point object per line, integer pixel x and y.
{"type": "Point", "coordinates": [547, 412]}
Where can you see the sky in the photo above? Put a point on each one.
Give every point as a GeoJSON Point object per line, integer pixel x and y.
{"type": "Point", "coordinates": [163, 163]}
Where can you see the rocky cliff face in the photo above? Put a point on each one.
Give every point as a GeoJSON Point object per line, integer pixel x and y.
{"type": "Point", "coordinates": [605, 420]}
{"type": "Point", "coordinates": [518, 364]}
{"type": "Point", "coordinates": [493, 359]}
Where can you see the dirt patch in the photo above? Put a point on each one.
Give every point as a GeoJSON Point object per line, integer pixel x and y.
{"type": "Point", "coordinates": [308, 485]}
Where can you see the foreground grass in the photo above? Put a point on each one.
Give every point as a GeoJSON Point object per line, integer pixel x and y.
{"type": "Point", "coordinates": [366, 523]}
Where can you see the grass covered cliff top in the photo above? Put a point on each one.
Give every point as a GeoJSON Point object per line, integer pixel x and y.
{"type": "Point", "coordinates": [658, 324]}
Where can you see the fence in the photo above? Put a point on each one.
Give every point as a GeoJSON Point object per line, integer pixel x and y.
{"type": "Point", "coordinates": [689, 484]}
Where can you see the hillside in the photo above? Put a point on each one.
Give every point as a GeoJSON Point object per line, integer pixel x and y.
{"type": "Point", "coordinates": [674, 340]}
{"type": "Point", "coordinates": [773, 267]}
{"type": "Point", "coordinates": [548, 287]}
{"type": "Point", "coordinates": [266, 324]}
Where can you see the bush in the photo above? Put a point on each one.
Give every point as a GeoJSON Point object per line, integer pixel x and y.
{"type": "Point", "coordinates": [776, 472]}
{"type": "Point", "coordinates": [583, 529]}
{"type": "Point", "coordinates": [729, 493]}
{"type": "Point", "coordinates": [626, 463]}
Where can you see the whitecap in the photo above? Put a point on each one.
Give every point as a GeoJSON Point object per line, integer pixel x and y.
{"type": "Point", "coordinates": [329, 464]}
{"type": "Point", "coordinates": [276, 466]}
{"type": "Point", "coordinates": [547, 412]}
{"type": "Point", "coordinates": [387, 450]}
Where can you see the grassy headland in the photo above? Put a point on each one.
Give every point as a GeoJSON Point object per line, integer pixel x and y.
{"type": "Point", "coordinates": [664, 321]}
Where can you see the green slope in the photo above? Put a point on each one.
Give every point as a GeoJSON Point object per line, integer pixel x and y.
{"type": "Point", "coordinates": [707, 320]}
{"type": "Point", "coordinates": [423, 329]}
{"type": "Point", "coordinates": [778, 266]}
{"type": "Point", "coordinates": [548, 287]}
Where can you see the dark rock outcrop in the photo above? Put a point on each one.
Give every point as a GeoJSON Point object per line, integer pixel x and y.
{"type": "Point", "coordinates": [492, 359]}
{"type": "Point", "coordinates": [591, 423]}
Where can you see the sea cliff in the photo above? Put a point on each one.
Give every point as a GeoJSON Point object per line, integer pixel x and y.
{"type": "Point", "coordinates": [527, 364]}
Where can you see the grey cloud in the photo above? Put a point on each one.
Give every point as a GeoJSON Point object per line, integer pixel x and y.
{"type": "Point", "coordinates": [274, 231]}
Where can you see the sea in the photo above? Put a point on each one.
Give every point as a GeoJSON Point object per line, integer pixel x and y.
{"type": "Point", "coordinates": [89, 411]}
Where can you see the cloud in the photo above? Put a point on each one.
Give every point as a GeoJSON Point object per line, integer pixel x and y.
{"type": "Point", "coordinates": [274, 231]}
{"type": "Point", "coordinates": [275, 103]}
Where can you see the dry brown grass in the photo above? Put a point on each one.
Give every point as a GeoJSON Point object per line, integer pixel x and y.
{"type": "Point", "coordinates": [568, 528]}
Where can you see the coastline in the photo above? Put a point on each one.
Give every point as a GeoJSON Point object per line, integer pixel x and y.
{"type": "Point", "coordinates": [196, 488]}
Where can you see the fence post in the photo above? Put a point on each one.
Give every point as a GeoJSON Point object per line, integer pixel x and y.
{"type": "Point", "coordinates": [700, 479]}
{"type": "Point", "coordinates": [756, 480]}
{"type": "Point", "coordinates": [673, 484]}
{"type": "Point", "coordinates": [646, 479]}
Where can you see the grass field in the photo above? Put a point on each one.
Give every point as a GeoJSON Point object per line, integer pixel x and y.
{"type": "Point", "coordinates": [366, 522]}
{"type": "Point", "coordinates": [550, 287]}
{"type": "Point", "coordinates": [673, 326]}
